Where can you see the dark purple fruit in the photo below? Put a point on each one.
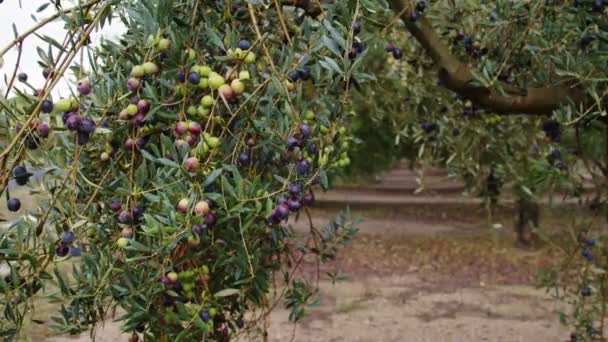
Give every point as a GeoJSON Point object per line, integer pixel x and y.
{"type": "Point", "coordinates": [14, 204]}
{"type": "Point", "coordinates": [356, 27]}
{"type": "Point", "coordinates": [304, 73]}
{"type": "Point", "coordinates": [292, 143]}
{"type": "Point", "coordinates": [293, 76]}
{"type": "Point", "coordinates": [47, 106]}
{"type": "Point", "coordinates": [47, 72]}
{"type": "Point", "coordinates": [31, 142]}
{"type": "Point", "coordinates": [198, 229]}
{"type": "Point", "coordinates": [587, 254]}
{"type": "Point", "coordinates": [397, 53]}
{"type": "Point", "coordinates": [87, 125]}
{"type": "Point", "coordinates": [194, 78]}
{"type": "Point", "coordinates": [124, 217]}
{"type": "Point", "coordinates": [73, 122]}
{"type": "Point", "coordinates": [360, 47]}
{"type": "Point", "coordinates": [294, 189]}
{"type": "Point", "coordinates": [143, 106]}
{"type": "Point", "coordinates": [21, 175]}
{"type": "Point", "coordinates": [22, 77]}
{"type": "Point", "coordinates": [137, 212]}
{"type": "Point", "coordinates": [294, 204]}
{"type": "Point", "coordinates": [282, 211]}
{"type": "Point", "coordinates": [43, 130]}
{"type": "Point", "coordinates": [83, 138]}
{"type": "Point", "coordinates": [75, 251]}
{"type": "Point", "coordinates": [115, 205]}
{"type": "Point", "coordinates": [305, 130]}
{"type": "Point", "coordinates": [421, 6]}
{"type": "Point", "coordinates": [308, 199]}
{"type": "Point", "coordinates": [84, 87]}
{"type": "Point", "coordinates": [586, 291]}
{"type": "Point", "coordinates": [302, 167]}
{"type": "Point", "coordinates": [181, 76]}
{"type": "Point", "coordinates": [244, 44]}
{"type": "Point", "coordinates": [413, 16]}
{"type": "Point", "coordinates": [210, 219]}
{"type": "Point", "coordinates": [352, 54]}
{"type": "Point", "coordinates": [597, 5]}
{"type": "Point", "coordinates": [68, 237]}
{"type": "Point", "coordinates": [312, 148]}
{"type": "Point", "coordinates": [428, 127]}
{"type": "Point", "coordinates": [244, 158]}
{"type": "Point", "coordinates": [62, 250]}
{"type": "Point", "coordinates": [204, 315]}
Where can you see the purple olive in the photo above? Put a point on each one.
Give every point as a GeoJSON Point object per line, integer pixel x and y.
{"type": "Point", "coordinates": [133, 84]}
{"type": "Point", "coordinates": [43, 130]}
{"type": "Point", "coordinates": [283, 211]}
{"type": "Point", "coordinates": [210, 219]}
{"type": "Point", "coordinates": [143, 106]}
{"type": "Point", "coordinates": [62, 250]}
{"type": "Point", "coordinates": [76, 251]}
{"type": "Point", "coordinates": [244, 45]}
{"type": "Point", "coordinates": [294, 189]}
{"type": "Point", "coordinates": [73, 122]}
{"type": "Point", "coordinates": [68, 237]}
{"type": "Point", "coordinates": [87, 125]}
{"type": "Point", "coordinates": [124, 217]}
{"type": "Point", "coordinates": [312, 148]}
{"type": "Point", "coordinates": [305, 130]}
{"type": "Point", "coordinates": [292, 143]}
{"type": "Point", "coordinates": [14, 204]}
{"type": "Point", "coordinates": [83, 138]}
{"type": "Point", "coordinates": [181, 76]}
{"type": "Point", "coordinates": [47, 106]}
{"type": "Point", "coordinates": [194, 78]}
{"type": "Point", "coordinates": [302, 167]}
{"type": "Point", "coordinates": [308, 199]}
{"type": "Point", "coordinates": [84, 87]}
{"type": "Point", "coordinates": [198, 229]}
{"type": "Point", "coordinates": [115, 205]}
{"type": "Point", "coordinates": [294, 204]}
{"type": "Point", "coordinates": [244, 158]}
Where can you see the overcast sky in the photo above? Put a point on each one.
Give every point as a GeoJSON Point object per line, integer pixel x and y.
{"type": "Point", "coordinates": [19, 12]}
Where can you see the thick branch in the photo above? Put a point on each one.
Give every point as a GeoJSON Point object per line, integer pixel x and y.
{"type": "Point", "coordinates": [458, 77]}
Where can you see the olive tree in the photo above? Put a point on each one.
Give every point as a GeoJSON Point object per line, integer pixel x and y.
{"type": "Point", "coordinates": [502, 93]}
{"type": "Point", "coordinates": [177, 166]}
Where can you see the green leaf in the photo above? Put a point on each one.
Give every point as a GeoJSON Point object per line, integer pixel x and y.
{"type": "Point", "coordinates": [226, 293]}
{"type": "Point", "coordinates": [212, 177]}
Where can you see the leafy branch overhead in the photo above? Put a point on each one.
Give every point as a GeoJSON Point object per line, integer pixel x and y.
{"type": "Point", "coordinates": [456, 76]}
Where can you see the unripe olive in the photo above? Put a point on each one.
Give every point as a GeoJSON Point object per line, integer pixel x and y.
{"type": "Point", "coordinates": [207, 101]}
{"type": "Point", "coordinates": [216, 81]}
{"type": "Point", "coordinates": [138, 71]}
{"type": "Point", "coordinates": [237, 86]}
{"type": "Point", "coordinates": [164, 44]}
{"type": "Point", "coordinates": [150, 68]}
{"type": "Point", "coordinates": [250, 58]}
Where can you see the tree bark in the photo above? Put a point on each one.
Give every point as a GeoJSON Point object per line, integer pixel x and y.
{"type": "Point", "coordinates": [458, 77]}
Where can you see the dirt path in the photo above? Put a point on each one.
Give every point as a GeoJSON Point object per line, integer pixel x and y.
{"type": "Point", "coordinates": [411, 308]}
